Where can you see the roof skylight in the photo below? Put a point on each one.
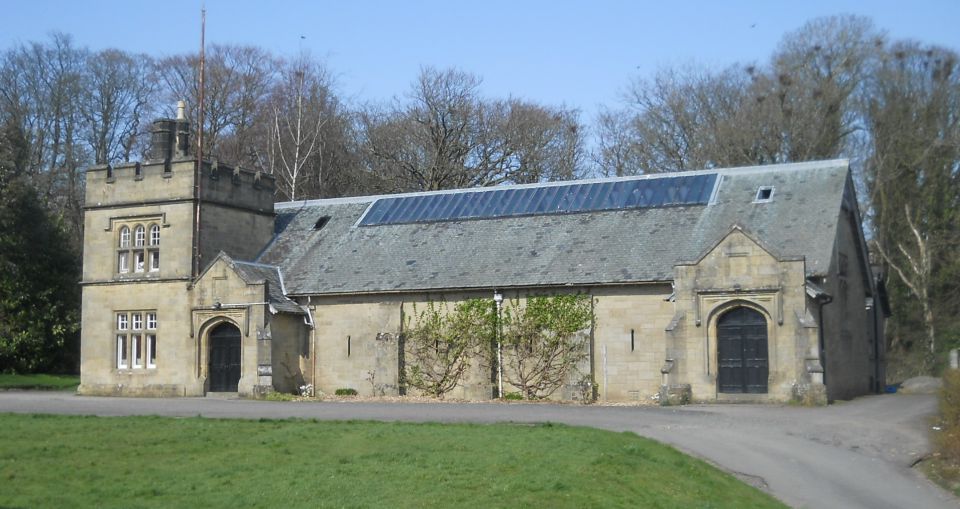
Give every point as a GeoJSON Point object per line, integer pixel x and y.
{"type": "Point", "coordinates": [667, 191]}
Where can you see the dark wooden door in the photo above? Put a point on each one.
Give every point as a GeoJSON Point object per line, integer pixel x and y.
{"type": "Point", "coordinates": [224, 358]}
{"type": "Point", "coordinates": [742, 352]}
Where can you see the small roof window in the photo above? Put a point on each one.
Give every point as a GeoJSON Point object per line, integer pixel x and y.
{"type": "Point", "coordinates": [764, 194]}
{"type": "Point", "coordinates": [321, 222]}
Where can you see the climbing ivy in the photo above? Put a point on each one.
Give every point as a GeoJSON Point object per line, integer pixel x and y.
{"type": "Point", "coordinates": [441, 343]}
{"type": "Point", "coordinates": [544, 339]}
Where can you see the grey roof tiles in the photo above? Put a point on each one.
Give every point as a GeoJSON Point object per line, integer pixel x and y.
{"type": "Point", "coordinates": [589, 248]}
{"type": "Point", "coordinates": [256, 272]}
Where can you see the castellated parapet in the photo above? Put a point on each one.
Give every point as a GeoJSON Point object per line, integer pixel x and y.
{"type": "Point", "coordinates": [159, 180]}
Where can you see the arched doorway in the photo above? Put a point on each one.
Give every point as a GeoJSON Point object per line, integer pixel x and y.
{"type": "Point", "coordinates": [742, 352]}
{"type": "Point", "coordinates": [224, 358]}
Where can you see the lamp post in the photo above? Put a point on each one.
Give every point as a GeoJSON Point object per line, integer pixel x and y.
{"type": "Point", "coordinates": [498, 299]}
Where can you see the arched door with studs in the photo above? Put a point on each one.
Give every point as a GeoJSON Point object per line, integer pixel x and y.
{"type": "Point", "coordinates": [224, 358]}
{"type": "Point", "coordinates": [742, 356]}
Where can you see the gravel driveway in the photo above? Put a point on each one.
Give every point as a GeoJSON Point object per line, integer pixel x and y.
{"type": "Point", "coordinates": [850, 454]}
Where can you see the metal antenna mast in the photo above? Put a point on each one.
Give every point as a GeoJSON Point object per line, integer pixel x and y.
{"type": "Point", "coordinates": [198, 171]}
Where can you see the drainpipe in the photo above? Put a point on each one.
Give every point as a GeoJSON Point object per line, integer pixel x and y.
{"type": "Point", "coordinates": [874, 317]}
{"type": "Point", "coordinates": [823, 300]}
{"type": "Point", "coordinates": [313, 346]}
{"type": "Point", "coordinates": [498, 299]}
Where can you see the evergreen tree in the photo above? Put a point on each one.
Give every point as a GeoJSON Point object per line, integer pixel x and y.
{"type": "Point", "coordinates": [39, 296]}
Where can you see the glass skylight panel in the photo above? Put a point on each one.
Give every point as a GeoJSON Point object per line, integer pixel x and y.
{"type": "Point", "coordinates": [421, 212]}
{"type": "Point", "coordinates": [665, 191]}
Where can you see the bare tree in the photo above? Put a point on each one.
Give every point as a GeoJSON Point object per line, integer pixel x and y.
{"type": "Point", "coordinates": [617, 153]}
{"type": "Point", "coordinates": [799, 107]}
{"type": "Point", "coordinates": [911, 112]}
{"type": "Point", "coordinates": [40, 87]}
{"type": "Point", "coordinates": [298, 118]}
{"type": "Point", "coordinates": [446, 136]}
{"type": "Point", "coordinates": [425, 143]}
{"type": "Point", "coordinates": [817, 74]}
{"type": "Point", "coordinates": [238, 79]}
{"type": "Point", "coordinates": [528, 142]}
{"type": "Point", "coordinates": [117, 92]}
{"type": "Point", "coordinates": [308, 143]}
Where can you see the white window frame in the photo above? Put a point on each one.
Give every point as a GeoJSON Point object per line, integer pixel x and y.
{"type": "Point", "coordinates": [123, 265]}
{"type": "Point", "coordinates": [757, 197]}
{"type": "Point", "coordinates": [136, 350]}
{"type": "Point", "coordinates": [151, 351]}
{"type": "Point", "coordinates": [121, 351]}
{"type": "Point", "coordinates": [139, 249]}
{"type": "Point", "coordinates": [136, 339]}
{"type": "Point", "coordinates": [154, 260]}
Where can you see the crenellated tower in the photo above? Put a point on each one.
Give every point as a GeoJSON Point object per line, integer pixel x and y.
{"type": "Point", "coordinates": [149, 228]}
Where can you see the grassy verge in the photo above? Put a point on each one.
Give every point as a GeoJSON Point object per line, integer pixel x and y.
{"type": "Point", "coordinates": [40, 382]}
{"type": "Point", "coordinates": [944, 465]}
{"type": "Point", "coordinates": [57, 461]}
{"type": "Point", "coordinates": [943, 472]}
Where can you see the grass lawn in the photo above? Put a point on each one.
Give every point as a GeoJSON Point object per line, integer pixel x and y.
{"type": "Point", "coordinates": [40, 381]}
{"type": "Point", "coordinates": [67, 461]}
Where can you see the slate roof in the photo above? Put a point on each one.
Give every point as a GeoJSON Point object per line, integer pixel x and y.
{"type": "Point", "coordinates": [257, 272]}
{"type": "Point", "coordinates": [608, 247]}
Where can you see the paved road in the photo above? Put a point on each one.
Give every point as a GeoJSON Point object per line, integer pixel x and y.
{"type": "Point", "coordinates": [852, 454]}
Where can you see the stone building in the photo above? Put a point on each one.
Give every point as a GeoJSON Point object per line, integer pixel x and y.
{"type": "Point", "coordinates": [726, 284]}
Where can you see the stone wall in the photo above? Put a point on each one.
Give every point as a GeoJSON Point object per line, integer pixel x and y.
{"type": "Point", "coordinates": [349, 343]}
{"type": "Point", "coordinates": [848, 326]}
{"type": "Point", "coordinates": [629, 340]}
{"type": "Point", "coordinates": [174, 373]}
{"type": "Point", "coordinates": [357, 335]}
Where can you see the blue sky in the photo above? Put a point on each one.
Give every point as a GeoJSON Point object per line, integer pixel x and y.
{"type": "Point", "coordinates": [580, 54]}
